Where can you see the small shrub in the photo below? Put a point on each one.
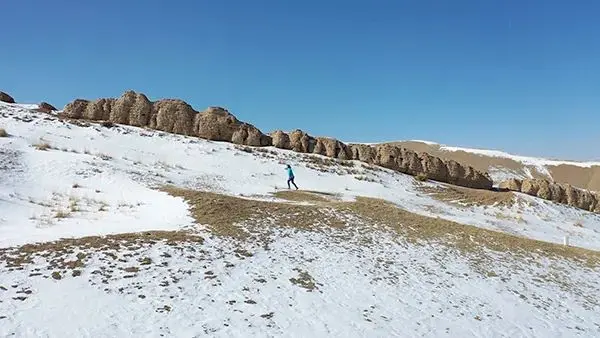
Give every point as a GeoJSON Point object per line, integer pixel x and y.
{"type": "Point", "coordinates": [578, 224]}
{"type": "Point", "coordinates": [61, 214]}
{"type": "Point", "coordinates": [73, 206]}
{"type": "Point", "coordinates": [246, 149]}
{"type": "Point", "coordinates": [107, 124]}
{"type": "Point", "coordinates": [76, 185]}
{"type": "Point", "coordinates": [421, 177]}
{"type": "Point", "coordinates": [105, 157]}
{"type": "Point", "coordinates": [42, 146]}
{"type": "Point", "coordinates": [3, 133]}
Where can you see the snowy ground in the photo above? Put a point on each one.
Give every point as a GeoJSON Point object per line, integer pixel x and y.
{"type": "Point", "coordinates": [94, 180]}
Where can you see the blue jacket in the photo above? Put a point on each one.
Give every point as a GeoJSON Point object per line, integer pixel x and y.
{"type": "Point", "coordinates": [290, 173]}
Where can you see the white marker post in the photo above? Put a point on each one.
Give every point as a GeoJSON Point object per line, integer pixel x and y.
{"type": "Point", "coordinates": [566, 241]}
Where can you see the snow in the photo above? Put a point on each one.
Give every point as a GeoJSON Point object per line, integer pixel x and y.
{"type": "Point", "coordinates": [538, 163]}
{"type": "Point", "coordinates": [118, 167]}
{"type": "Point", "coordinates": [103, 180]}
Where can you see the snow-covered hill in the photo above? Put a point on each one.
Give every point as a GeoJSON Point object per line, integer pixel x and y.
{"type": "Point", "coordinates": [61, 180]}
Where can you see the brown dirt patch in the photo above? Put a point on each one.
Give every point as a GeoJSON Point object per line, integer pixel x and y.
{"type": "Point", "coordinates": [304, 196]}
{"type": "Point", "coordinates": [461, 196]}
{"type": "Point", "coordinates": [57, 250]}
{"type": "Point", "coordinates": [222, 213]}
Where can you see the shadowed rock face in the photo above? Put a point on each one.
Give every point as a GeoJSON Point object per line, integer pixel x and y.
{"type": "Point", "coordinates": [217, 124]}
{"type": "Point", "coordinates": [4, 97]}
{"type": "Point", "coordinates": [557, 192]}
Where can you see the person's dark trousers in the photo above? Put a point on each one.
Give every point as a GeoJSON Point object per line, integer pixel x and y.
{"type": "Point", "coordinates": [291, 179]}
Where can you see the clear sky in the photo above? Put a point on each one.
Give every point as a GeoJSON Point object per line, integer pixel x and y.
{"type": "Point", "coordinates": [517, 75]}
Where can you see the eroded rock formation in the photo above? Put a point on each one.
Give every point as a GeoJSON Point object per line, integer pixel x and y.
{"type": "Point", "coordinates": [217, 124]}
{"type": "Point", "coordinates": [556, 192]}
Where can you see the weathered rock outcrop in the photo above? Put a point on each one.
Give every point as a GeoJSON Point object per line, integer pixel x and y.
{"type": "Point", "coordinates": [6, 98]}
{"type": "Point", "coordinates": [169, 115]}
{"type": "Point", "coordinates": [435, 168]}
{"type": "Point", "coordinates": [302, 142]}
{"type": "Point", "coordinates": [511, 184]}
{"type": "Point", "coordinates": [46, 107]}
{"type": "Point", "coordinates": [363, 153]}
{"type": "Point", "coordinates": [281, 140]}
{"type": "Point", "coordinates": [556, 192]}
{"type": "Point", "coordinates": [217, 124]}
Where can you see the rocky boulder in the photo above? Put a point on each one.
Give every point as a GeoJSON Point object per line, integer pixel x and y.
{"type": "Point", "coordinates": [434, 167]}
{"type": "Point", "coordinates": [556, 192]}
{"type": "Point", "coordinates": [530, 187]}
{"type": "Point", "coordinates": [302, 142]}
{"type": "Point", "coordinates": [387, 156]}
{"type": "Point", "coordinates": [362, 152]}
{"type": "Point", "coordinates": [4, 97]}
{"type": "Point", "coordinates": [46, 107]}
{"type": "Point", "coordinates": [131, 108]}
{"type": "Point", "coordinates": [218, 124]}
{"type": "Point", "coordinates": [511, 184]}
{"type": "Point", "coordinates": [98, 110]}
{"type": "Point", "coordinates": [173, 116]}
{"type": "Point", "coordinates": [332, 148]}
{"type": "Point", "coordinates": [410, 162]}
{"type": "Point", "coordinates": [281, 140]}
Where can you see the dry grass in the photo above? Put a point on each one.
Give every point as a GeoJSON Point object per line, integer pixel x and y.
{"type": "Point", "coordinates": [462, 196]}
{"type": "Point", "coordinates": [304, 196]}
{"type": "Point", "coordinates": [223, 213]}
{"type": "Point", "coordinates": [42, 146]}
{"type": "Point", "coordinates": [422, 177]}
{"type": "Point", "coordinates": [3, 133]}
{"type": "Point", "coordinates": [62, 214]}
{"type": "Point", "coordinates": [57, 250]}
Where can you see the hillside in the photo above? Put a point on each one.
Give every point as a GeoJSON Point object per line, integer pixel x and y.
{"type": "Point", "coordinates": [116, 230]}
{"type": "Point", "coordinates": [501, 165]}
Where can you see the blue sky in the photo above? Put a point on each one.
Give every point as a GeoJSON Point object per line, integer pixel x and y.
{"type": "Point", "coordinates": [521, 76]}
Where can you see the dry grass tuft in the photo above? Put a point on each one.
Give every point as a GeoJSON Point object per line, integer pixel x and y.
{"type": "Point", "coordinates": [462, 196]}
{"type": "Point", "coordinates": [3, 133]}
{"type": "Point", "coordinates": [304, 196]}
{"type": "Point", "coordinates": [421, 177]}
{"type": "Point", "coordinates": [62, 214]}
{"type": "Point", "coordinates": [42, 146]}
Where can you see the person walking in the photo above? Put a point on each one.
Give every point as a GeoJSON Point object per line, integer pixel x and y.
{"type": "Point", "coordinates": [290, 177]}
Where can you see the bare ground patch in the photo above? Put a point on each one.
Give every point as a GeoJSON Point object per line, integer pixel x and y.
{"type": "Point", "coordinates": [305, 196]}
{"type": "Point", "coordinates": [235, 217]}
{"type": "Point", "coordinates": [223, 214]}
{"type": "Point", "coordinates": [56, 251]}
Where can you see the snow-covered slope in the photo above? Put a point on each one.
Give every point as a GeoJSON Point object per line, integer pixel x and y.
{"type": "Point", "coordinates": [94, 180]}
